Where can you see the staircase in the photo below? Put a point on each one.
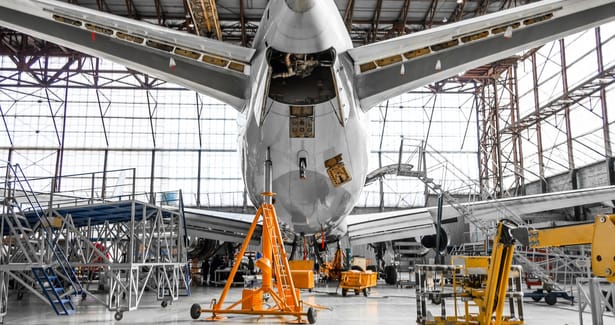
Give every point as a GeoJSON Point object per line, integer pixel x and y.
{"type": "Point", "coordinates": [439, 163]}
{"type": "Point", "coordinates": [53, 290]}
{"type": "Point", "coordinates": [22, 237]}
{"type": "Point", "coordinates": [33, 249]}
{"type": "Point", "coordinates": [418, 157]}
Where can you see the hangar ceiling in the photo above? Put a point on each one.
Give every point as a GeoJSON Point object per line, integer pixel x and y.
{"type": "Point", "coordinates": [368, 21]}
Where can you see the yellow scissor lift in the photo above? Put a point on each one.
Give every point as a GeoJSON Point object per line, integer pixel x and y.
{"type": "Point", "coordinates": [484, 284]}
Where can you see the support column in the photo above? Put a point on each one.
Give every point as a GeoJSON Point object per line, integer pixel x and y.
{"type": "Point", "coordinates": [152, 194]}
{"type": "Point", "coordinates": [539, 148]}
{"type": "Point", "coordinates": [571, 168]}
{"type": "Point", "coordinates": [519, 181]}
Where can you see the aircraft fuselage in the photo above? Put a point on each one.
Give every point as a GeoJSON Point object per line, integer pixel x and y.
{"type": "Point", "coordinates": [304, 110]}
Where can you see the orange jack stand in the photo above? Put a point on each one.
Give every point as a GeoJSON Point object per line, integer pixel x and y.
{"type": "Point", "coordinates": [274, 263]}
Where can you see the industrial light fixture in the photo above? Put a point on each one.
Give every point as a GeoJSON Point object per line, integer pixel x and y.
{"type": "Point", "coordinates": [508, 32]}
{"type": "Point", "coordinates": [459, 2]}
{"type": "Point", "coordinates": [402, 70]}
{"type": "Point", "coordinates": [172, 63]}
{"type": "Point", "coordinates": [438, 65]}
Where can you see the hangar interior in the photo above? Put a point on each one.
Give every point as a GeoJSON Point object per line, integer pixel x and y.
{"type": "Point", "coordinates": [89, 131]}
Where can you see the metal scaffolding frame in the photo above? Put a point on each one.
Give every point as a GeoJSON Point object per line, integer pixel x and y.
{"type": "Point", "coordinates": [118, 244]}
{"type": "Point", "coordinates": [505, 134]}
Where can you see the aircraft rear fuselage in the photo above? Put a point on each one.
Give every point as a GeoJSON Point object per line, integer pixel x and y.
{"type": "Point", "coordinates": [303, 108]}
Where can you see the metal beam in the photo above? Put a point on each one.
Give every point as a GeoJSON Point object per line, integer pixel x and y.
{"type": "Point", "coordinates": [375, 22]}
{"type": "Point", "coordinates": [608, 152]}
{"type": "Point", "coordinates": [430, 14]}
{"type": "Point", "coordinates": [348, 13]}
{"type": "Point", "coordinates": [566, 106]}
{"type": "Point", "coordinates": [242, 20]}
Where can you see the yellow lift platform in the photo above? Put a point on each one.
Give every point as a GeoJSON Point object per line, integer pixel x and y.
{"type": "Point", "coordinates": [485, 282]}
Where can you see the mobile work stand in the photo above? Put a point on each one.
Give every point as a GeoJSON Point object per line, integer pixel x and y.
{"type": "Point", "coordinates": [273, 263]}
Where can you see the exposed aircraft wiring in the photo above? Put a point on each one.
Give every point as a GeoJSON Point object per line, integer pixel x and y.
{"type": "Point", "coordinates": [297, 66]}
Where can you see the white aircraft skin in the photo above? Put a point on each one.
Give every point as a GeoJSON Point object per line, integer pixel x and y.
{"type": "Point", "coordinates": [303, 62]}
{"type": "Point", "coordinates": [311, 203]}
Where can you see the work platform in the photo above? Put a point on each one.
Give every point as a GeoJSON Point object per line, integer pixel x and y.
{"type": "Point", "coordinates": [60, 246]}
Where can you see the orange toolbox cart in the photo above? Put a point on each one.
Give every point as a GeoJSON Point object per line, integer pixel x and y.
{"type": "Point", "coordinates": [358, 281]}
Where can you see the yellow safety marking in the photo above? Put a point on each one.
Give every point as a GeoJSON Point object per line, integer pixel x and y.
{"type": "Point", "coordinates": [337, 171]}
{"type": "Point", "coordinates": [338, 175]}
{"type": "Point", "coordinates": [416, 53]}
{"type": "Point", "coordinates": [444, 45]}
{"type": "Point", "coordinates": [130, 38]}
{"type": "Point", "coordinates": [159, 46]}
{"type": "Point", "coordinates": [187, 53]}
{"type": "Point", "coordinates": [388, 60]}
{"type": "Point", "coordinates": [332, 161]}
{"type": "Point", "coordinates": [214, 60]}
{"type": "Point", "coordinates": [368, 66]}
{"type": "Point", "coordinates": [67, 20]}
{"type": "Point", "coordinates": [475, 37]}
{"type": "Point", "coordinates": [99, 29]}
{"type": "Point", "coordinates": [531, 21]}
{"type": "Point", "coordinates": [236, 66]}
{"type": "Point", "coordinates": [502, 29]}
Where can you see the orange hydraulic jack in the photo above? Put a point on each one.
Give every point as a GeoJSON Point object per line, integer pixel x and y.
{"type": "Point", "coordinates": [273, 263]}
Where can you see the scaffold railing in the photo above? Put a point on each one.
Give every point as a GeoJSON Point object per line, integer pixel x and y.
{"type": "Point", "coordinates": [117, 247]}
{"type": "Point", "coordinates": [430, 162]}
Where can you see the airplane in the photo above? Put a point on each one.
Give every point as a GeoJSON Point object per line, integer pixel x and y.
{"type": "Point", "coordinates": [303, 88]}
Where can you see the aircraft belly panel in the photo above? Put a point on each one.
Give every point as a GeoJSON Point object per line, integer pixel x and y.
{"type": "Point", "coordinates": [314, 201]}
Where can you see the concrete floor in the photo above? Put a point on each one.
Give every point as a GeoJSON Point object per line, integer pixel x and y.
{"type": "Point", "coordinates": [385, 305]}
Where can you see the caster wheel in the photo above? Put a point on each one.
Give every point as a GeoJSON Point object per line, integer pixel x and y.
{"type": "Point", "coordinates": [84, 295]}
{"type": "Point", "coordinates": [436, 299]}
{"type": "Point", "coordinates": [164, 304]}
{"type": "Point", "coordinates": [118, 316]}
{"type": "Point", "coordinates": [365, 292]}
{"type": "Point", "coordinates": [19, 295]}
{"type": "Point", "coordinates": [195, 311]}
{"type": "Point", "coordinates": [311, 315]}
{"type": "Point", "coordinates": [537, 298]}
{"type": "Point", "coordinates": [356, 292]}
{"type": "Point", "coordinates": [551, 299]}
{"type": "Point", "coordinates": [344, 292]}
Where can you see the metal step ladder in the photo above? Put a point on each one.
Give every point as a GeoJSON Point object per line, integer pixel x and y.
{"type": "Point", "coordinates": [21, 234]}
{"type": "Point", "coordinates": [283, 278]}
{"type": "Point", "coordinates": [34, 254]}
{"type": "Point", "coordinates": [53, 290]}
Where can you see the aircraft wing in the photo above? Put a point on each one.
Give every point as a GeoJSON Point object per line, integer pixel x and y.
{"type": "Point", "coordinates": [393, 225]}
{"type": "Point", "coordinates": [224, 226]}
{"type": "Point", "coordinates": [208, 66]}
{"type": "Point", "coordinates": [442, 52]}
